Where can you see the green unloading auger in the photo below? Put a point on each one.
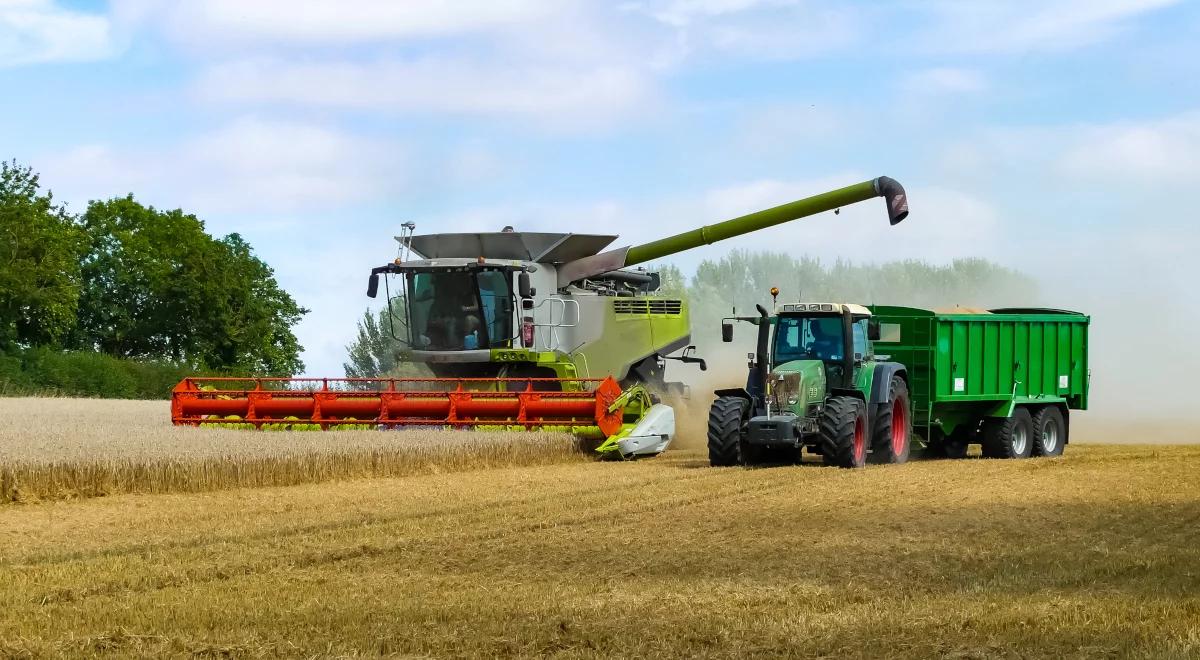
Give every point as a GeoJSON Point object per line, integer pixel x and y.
{"type": "Point", "coordinates": [886, 187]}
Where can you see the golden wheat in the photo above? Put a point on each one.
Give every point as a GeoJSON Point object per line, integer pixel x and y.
{"type": "Point", "coordinates": [63, 448]}
{"type": "Point", "coordinates": [1093, 555]}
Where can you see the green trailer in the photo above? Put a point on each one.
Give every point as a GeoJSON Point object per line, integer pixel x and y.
{"type": "Point", "coordinates": [1006, 379]}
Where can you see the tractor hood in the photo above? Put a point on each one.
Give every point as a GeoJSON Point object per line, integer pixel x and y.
{"type": "Point", "coordinates": [797, 385]}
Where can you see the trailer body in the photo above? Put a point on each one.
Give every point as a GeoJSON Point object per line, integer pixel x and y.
{"type": "Point", "coordinates": [966, 368]}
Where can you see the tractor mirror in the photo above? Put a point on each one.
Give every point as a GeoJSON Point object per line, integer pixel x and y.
{"type": "Point", "coordinates": [873, 330]}
{"type": "Point", "coordinates": [727, 332]}
{"type": "Point", "coordinates": [373, 285]}
{"type": "Point", "coordinates": [523, 285]}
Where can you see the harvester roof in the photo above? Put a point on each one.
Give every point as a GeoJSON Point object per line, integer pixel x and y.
{"type": "Point", "coordinates": [540, 247]}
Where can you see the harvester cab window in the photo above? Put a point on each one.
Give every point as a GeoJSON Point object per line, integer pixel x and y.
{"type": "Point", "coordinates": [495, 294]}
{"type": "Point", "coordinates": [459, 310]}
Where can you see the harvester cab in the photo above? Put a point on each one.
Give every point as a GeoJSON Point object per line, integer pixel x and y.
{"type": "Point", "coordinates": [814, 384]}
{"type": "Point", "coordinates": [543, 330]}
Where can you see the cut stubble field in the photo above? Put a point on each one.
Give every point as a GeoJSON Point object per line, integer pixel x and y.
{"type": "Point", "coordinates": [1093, 555]}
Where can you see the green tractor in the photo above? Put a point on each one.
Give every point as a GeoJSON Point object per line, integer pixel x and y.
{"type": "Point", "coordinates": [814, 384]}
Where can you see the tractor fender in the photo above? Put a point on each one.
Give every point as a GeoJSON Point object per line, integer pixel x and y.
{"type": "Point", "coordinates": [880, 384]}
{"type": "Point", "coordinates": [847, 391]}
{"type": "Point", "coordinates": [739, 392]}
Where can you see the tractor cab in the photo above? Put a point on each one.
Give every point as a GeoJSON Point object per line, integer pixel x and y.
{"type": "Point", "coordinates": [834, 334]}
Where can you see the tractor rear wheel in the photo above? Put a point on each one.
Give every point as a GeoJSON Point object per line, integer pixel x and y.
{"type": "Point", "coordinates": [1049, 432]}
{"type": "Point", "coordinates": [726, 419]}
{"type": "Point", "coordinates": [1009, 438]}
{"type": "Point", "coordinates": [891, 436]}
{"type": "Point", "coordinates": [843, 432]}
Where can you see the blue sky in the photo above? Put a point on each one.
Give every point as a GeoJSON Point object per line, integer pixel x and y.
{"type": "Point", "coordinates": [1061, 136]}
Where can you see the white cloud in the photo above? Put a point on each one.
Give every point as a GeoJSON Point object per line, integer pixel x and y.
{"type": "Point", "coordinates": [560, 95]}
{"type": "Point", "coordinates": [319, 22]}
{"type": "Point", "coordinates": [944, 80]}
{"type": "Point", "coordinates": [760, 29]}
{"type": "Point", "coordinates": [248, 165]}
{"type": "Point", "coordinates": [1166, 151]}
{"type": "Point", "coordinates": [39, 31]}
{"type": "Point", "coordinates": [1015, 26]}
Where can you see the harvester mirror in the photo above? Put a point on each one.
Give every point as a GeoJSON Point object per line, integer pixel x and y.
{"type": "Point", "coordinates": [873, 333]}
{"type": "Point", "coordinates": [373, 285]}
{"type": "Point", "coordinates": [726, 332]}
{"type": "Point", "coordinates": [523, 285]}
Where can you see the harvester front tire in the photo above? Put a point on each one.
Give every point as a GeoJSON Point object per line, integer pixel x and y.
{"type": "Point", "coordinates": [891, 436]}
{"type": "Point", "coordinates": [726, 418]}
{"type": "Point", "coordinates": [1009, 438]}
{"type": "Point", "coordinates": [1049, 432]}
{"type": "Point", "coordinates": [843, 429]}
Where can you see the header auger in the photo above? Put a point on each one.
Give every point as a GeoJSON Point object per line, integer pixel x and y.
{"type": "Point", "coordinates": [521, 330]}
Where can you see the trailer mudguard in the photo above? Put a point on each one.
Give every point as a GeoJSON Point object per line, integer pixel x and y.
{"type": "Point", "coordinates": [880, 390]}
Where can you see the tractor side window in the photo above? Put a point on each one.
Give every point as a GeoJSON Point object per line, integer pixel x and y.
{"type": "Point", "coordinates": [861, 345]}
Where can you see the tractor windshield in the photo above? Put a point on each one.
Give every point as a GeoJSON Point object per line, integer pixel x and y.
{"type": "Point", "coordinates": [808, 338]}
{"type": "Point", "coordinates": [460, 310]}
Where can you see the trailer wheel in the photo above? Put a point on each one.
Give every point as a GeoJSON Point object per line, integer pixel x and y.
{"type": "Point", "coordinates": [1049, 432]}
{"type": "Point", "coordinates": [843, 429]}
{"type": "Point", "coordinates": [891, 436]}
{"type": "Point", "coordinates": [725, 420]}
{"type": "Point", "coordinates": [1009, 438]}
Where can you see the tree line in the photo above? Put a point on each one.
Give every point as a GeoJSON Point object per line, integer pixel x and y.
{"type": "Point", "coordinates": [135, 282]}
{"type": "Point", "coordinates": [742, 279]}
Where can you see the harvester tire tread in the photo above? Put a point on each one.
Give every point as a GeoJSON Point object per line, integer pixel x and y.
{"type": "Point", "coordinates": [882, 448]}
{"type": "Point", "coordinates": [1044, 445]}
{"type": "Point", "coordinates": [1001, 436]}
{"type": "Point", "coordinates": [842, 419]}
{"type": "Point", "coordinates": [725, 419]}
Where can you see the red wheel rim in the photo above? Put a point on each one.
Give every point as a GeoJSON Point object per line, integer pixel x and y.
{"type": "Point", "coordinates": [860, 442]}
{"type": "Point", "coordinates": [899, 427]}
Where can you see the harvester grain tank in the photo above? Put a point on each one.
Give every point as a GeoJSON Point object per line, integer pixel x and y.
{"type": "Point", "coordinates": [524, 329]}
{"type": "Point", "coordinates": [855, 384]}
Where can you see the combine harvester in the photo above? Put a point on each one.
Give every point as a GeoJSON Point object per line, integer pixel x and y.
{"type": "Point", "coordinates": [522, 330]}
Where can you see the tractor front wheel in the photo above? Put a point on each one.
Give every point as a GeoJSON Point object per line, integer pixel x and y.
{"type": "Point", "coordinates": [726, 418]}
{"type": "Point", "coordinates": [843, 429]}
{"type": "Point", "coordinates": [891, 436]}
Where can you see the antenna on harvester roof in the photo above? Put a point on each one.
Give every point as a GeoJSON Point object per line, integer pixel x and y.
{"type": "Point", "coordinates": [406, 234]}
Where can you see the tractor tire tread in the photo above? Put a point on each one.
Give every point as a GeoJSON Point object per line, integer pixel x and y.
{"type": "Point", "coordinates": [881, 426]}
{"type": "Point", "coordinates": [724, 430]}
{"type": "Point", "coordinates": [998, 435]}
{"type": "Point", "coordinates": [1039, 418]}
{"type": "Point", "coordinates": [836, 428]}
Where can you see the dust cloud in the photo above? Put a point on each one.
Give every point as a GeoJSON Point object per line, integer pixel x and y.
{"type": "Point", "coordinates": [1142, 357]}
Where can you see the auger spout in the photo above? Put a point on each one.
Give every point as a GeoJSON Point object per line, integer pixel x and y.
{"type": "Point", "coordinates": [886, 187]}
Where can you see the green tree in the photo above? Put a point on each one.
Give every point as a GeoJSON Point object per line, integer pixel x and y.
{"type": "Point", "coordinates": [39, 262]}
{"type": "Point", "coordinates": [375, 350]}
{"type": "Point", "coordinates": [372, 354]}
{"type": "Point", "coordinates": [156, 285]}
